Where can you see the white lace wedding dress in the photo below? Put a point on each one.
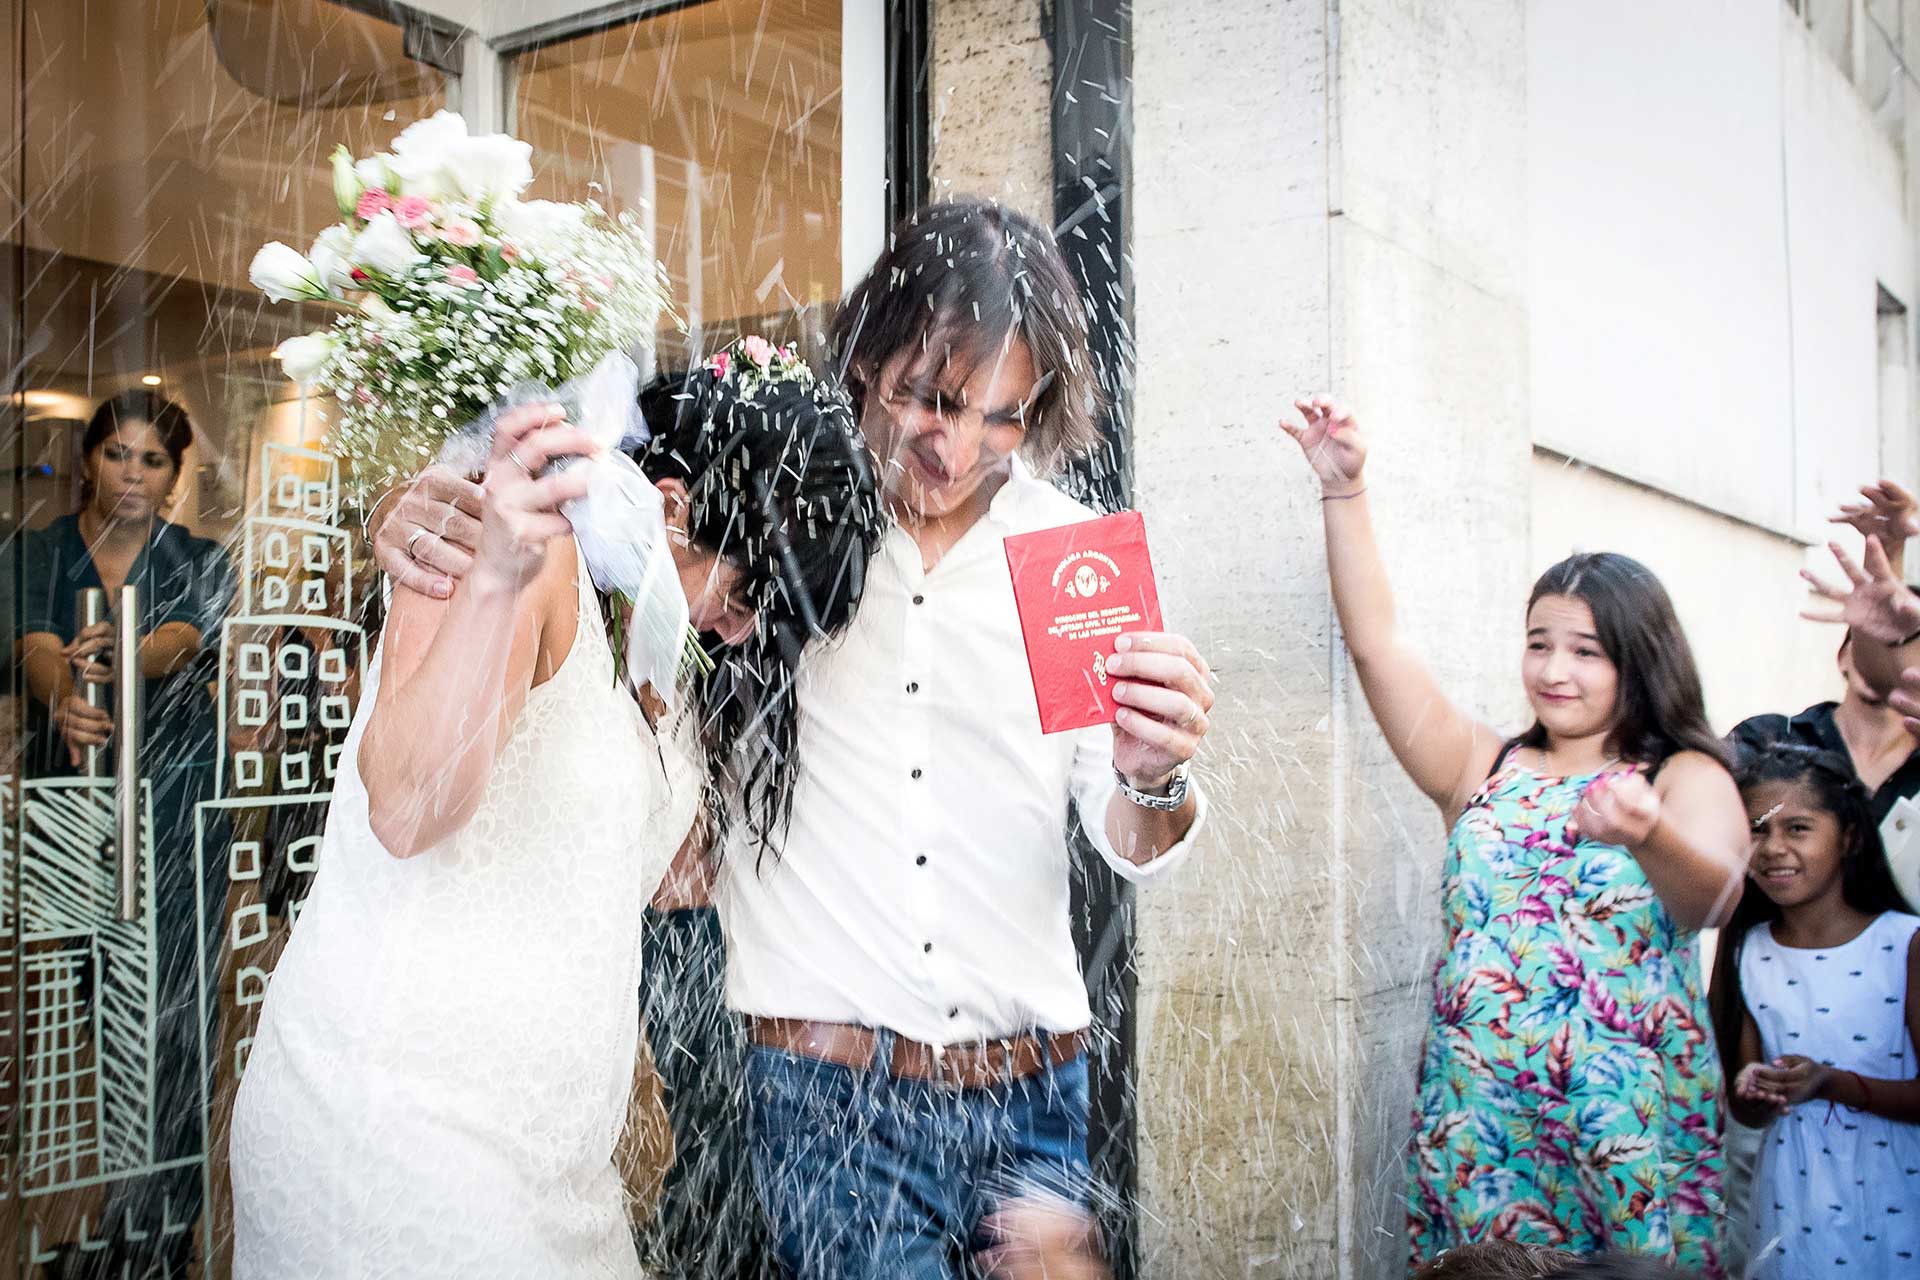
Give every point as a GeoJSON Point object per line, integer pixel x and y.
{"type": "Point", "coordinates": [446, 1051]}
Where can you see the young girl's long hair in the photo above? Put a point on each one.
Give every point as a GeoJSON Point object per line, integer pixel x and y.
{"type": "Point", "coordinates": [1865, 882]}
{"type": "Point", "coordinates": [1659, 709]}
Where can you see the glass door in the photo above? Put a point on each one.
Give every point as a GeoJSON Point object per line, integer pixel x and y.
{"type": "Point", "coordinates": [186, 601]}
{"type": "Point", "coordinates": [750, 136]}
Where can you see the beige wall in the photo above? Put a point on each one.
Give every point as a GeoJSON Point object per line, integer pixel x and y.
{"type": "Point", "coordinates": [1275, 255]}
{"type": "Point", "coordinates": [990, 103]}
{"type": "Point", "coordinates": [1300, 222]}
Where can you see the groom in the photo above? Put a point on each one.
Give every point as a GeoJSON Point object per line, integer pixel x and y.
{"type": "Point", "coordinates": [902, 954]}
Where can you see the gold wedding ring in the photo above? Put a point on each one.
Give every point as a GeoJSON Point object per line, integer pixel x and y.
{"type": "Point", "coordinates": [415, 536]}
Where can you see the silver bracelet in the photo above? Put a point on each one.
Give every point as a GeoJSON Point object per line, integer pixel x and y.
{"type": "Point", "coordinates": [1168, 803]}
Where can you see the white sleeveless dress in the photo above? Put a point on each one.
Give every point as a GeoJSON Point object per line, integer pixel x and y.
{"type": "Point", "coordinates": [1838, 1190]}
{"type": "Point", "coordinates": [447, 1046]}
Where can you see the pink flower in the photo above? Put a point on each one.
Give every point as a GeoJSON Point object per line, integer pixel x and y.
{"type": "Point", "coordinates": [605, 282]}
{"type": "Point", "coordinates": [757, 349]}
{"type": "Point", "coordinates": [466, 277]}
{"type": "Point", "coordinates": [509, 252]}
{"type": "Point", "coordinates": [464, 233]}
{"type": "Point", "coordinates": [721, 362]}
{"type": "Point", "coordinates": [373, 202]}
{"type": "Point", "coordinates": [363, 395]}
{"type": "Point", "coordinates": [358, 276]}
{"type": "Point", "coordinates": [414, 212]}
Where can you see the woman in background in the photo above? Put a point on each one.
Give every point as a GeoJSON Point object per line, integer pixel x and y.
{"type": "Point", "coordinates": [132, 457]}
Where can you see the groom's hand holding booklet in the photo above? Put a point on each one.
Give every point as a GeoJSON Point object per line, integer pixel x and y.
{"type": "Point", "coordinates": [1078, 588]}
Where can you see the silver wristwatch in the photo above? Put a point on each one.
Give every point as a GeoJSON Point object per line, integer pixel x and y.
{"type": "Point", "coordinates": [1168, 803]}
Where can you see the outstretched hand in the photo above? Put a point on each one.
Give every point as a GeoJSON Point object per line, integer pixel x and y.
{"type": "Point", "coordinates": [1875, 603]}
{"type": "Point", "coordinates": [1889, 513]}
{"type": "Point", "coordinates": [1905, 698]}
{"type": "Point", "coordinates": [1332, 442]}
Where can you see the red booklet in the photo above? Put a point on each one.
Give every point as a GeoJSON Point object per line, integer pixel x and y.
{"type": "Point", "coordinates": [1077, 588]}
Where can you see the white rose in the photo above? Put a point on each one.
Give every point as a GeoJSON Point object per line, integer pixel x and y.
{"type": "Point", "coordinates": [330, 258]}
{"type": "Point", "coordinates": [302, 358]}
{"type": "Point", "coordinates": [432, 136]}
{"type": "Point", "coordinates": [280, 272]}
{"type": "Point", "coordinates": [384, 248]}
{"type": "Point", "coordinates": [492, 167]}
{"type": "Point", "coordinates": [421, 153]}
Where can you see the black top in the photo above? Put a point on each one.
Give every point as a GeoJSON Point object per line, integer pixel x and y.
{"type": "Point", "coordinates": [1815, 728]}
{"type": "Point", "coordinates": [181, 578]}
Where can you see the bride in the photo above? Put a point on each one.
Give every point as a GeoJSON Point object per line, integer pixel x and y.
{"type": "Point", "coordinates": [443, 1062]}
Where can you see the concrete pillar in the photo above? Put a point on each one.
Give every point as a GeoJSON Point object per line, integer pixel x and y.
{"type": "Point", "coordinates": [1326, 196]}
{"type": "Point", "coordinates": [989, 113]}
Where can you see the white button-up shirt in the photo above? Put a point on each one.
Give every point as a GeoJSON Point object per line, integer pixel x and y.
{"type": "Point", "coordinates": [923, 884]}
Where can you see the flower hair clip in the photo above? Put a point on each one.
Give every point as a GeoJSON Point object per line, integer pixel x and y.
{"type": "Point", "coordinates": [752, 362]}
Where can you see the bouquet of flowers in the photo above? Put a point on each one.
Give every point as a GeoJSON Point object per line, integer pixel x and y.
{"type": "Point", "coordinates": [459, 300]}
{"type": "Point", "coordinates": [453, 292]}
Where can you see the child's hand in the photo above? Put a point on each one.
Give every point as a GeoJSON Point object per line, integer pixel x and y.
{"type": "Point", "coordinates": [1618, 808]}
{"type": "Point", "coordinates": [1333, 445]}
{"type": "Point", "coordinates": [1799, 1078]}
{"type": "Point", "coordinates": [1758, 1083]}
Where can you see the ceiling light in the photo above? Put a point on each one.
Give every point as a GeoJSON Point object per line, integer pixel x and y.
{"type": "Point", "coordinates": [151, 379]}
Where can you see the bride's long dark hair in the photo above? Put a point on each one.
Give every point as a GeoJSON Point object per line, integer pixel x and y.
{"type": "Point", "coordinates": [781, 484]}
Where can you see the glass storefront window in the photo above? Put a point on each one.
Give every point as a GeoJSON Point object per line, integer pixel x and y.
{"type": "Point", "coordinates": [722, 123]}
{"type": "Point", "coordinates": [154, 146]}
{"type": "Point", "coordinates": [164, 141]}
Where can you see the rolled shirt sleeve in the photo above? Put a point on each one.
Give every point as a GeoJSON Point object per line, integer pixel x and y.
{"type": "Point", "coordinates": [1094, 787]}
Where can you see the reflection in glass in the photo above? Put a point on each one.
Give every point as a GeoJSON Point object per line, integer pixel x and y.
{"type": "Point", "coordinates": [722, 120]}
{"type": "Point", "coordinates": [159, 143]}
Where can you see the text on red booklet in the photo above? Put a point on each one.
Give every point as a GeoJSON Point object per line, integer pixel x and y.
{"type": "Point", "coordinates": [1078, 588]}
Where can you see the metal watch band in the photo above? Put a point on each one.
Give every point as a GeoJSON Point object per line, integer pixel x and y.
{"type": "Point", "coordinates": [1175, 797]}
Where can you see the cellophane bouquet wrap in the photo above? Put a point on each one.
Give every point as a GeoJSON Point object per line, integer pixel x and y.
{"type": "Point", "coordinates": [457, 299]}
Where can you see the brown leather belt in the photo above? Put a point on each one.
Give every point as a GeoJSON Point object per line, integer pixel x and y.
{"type": "Point", "coordinates": [973, 1065]}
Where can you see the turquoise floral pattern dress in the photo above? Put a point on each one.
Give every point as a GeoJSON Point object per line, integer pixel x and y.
{"type": "Point", "coordinates": [1570, 1093]}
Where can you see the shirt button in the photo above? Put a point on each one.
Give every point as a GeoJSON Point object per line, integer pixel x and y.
{"type": "Point", "coordinates": [913, 686]}
{"type": "Point", "coordinates": [920, 861]}
{"type": "Point", "coordinates": [953, 1013]}
{"type": "Point", "coordinates": [919, 599]}
{"type": "Point", "coordinates": [927, 947]}
{"type": "Point", "coordinates": [916, 773]}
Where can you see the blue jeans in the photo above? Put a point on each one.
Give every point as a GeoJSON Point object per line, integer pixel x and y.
{"type": "Point", "coordinates": [866, 1177]}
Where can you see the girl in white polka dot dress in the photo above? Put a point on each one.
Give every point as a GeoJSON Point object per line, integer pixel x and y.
{"type": "Point", "coordinates": [1817, 1007]}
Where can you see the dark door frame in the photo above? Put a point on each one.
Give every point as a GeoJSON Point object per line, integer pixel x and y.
{"type": "Point", "coordinates": [1091, 42]}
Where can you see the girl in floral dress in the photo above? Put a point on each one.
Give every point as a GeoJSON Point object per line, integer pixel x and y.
{"type": "Point", "coordinates": [1569, 1093]}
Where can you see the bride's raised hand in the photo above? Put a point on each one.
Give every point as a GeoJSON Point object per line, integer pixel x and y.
{"type": "Point", "coordinates": [1332, 443]}
{"type": "Point", "coordinates": [520, 507]}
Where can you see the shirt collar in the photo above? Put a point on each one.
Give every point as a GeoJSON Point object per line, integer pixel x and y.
{"type": "Point", "coordinates": [1020, 479]}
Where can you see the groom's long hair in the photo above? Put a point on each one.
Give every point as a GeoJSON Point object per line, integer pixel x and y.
{"type": "Point", "coordinates": [779, 483]}
{"type": "Point", "coordinates": [959, 279]}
